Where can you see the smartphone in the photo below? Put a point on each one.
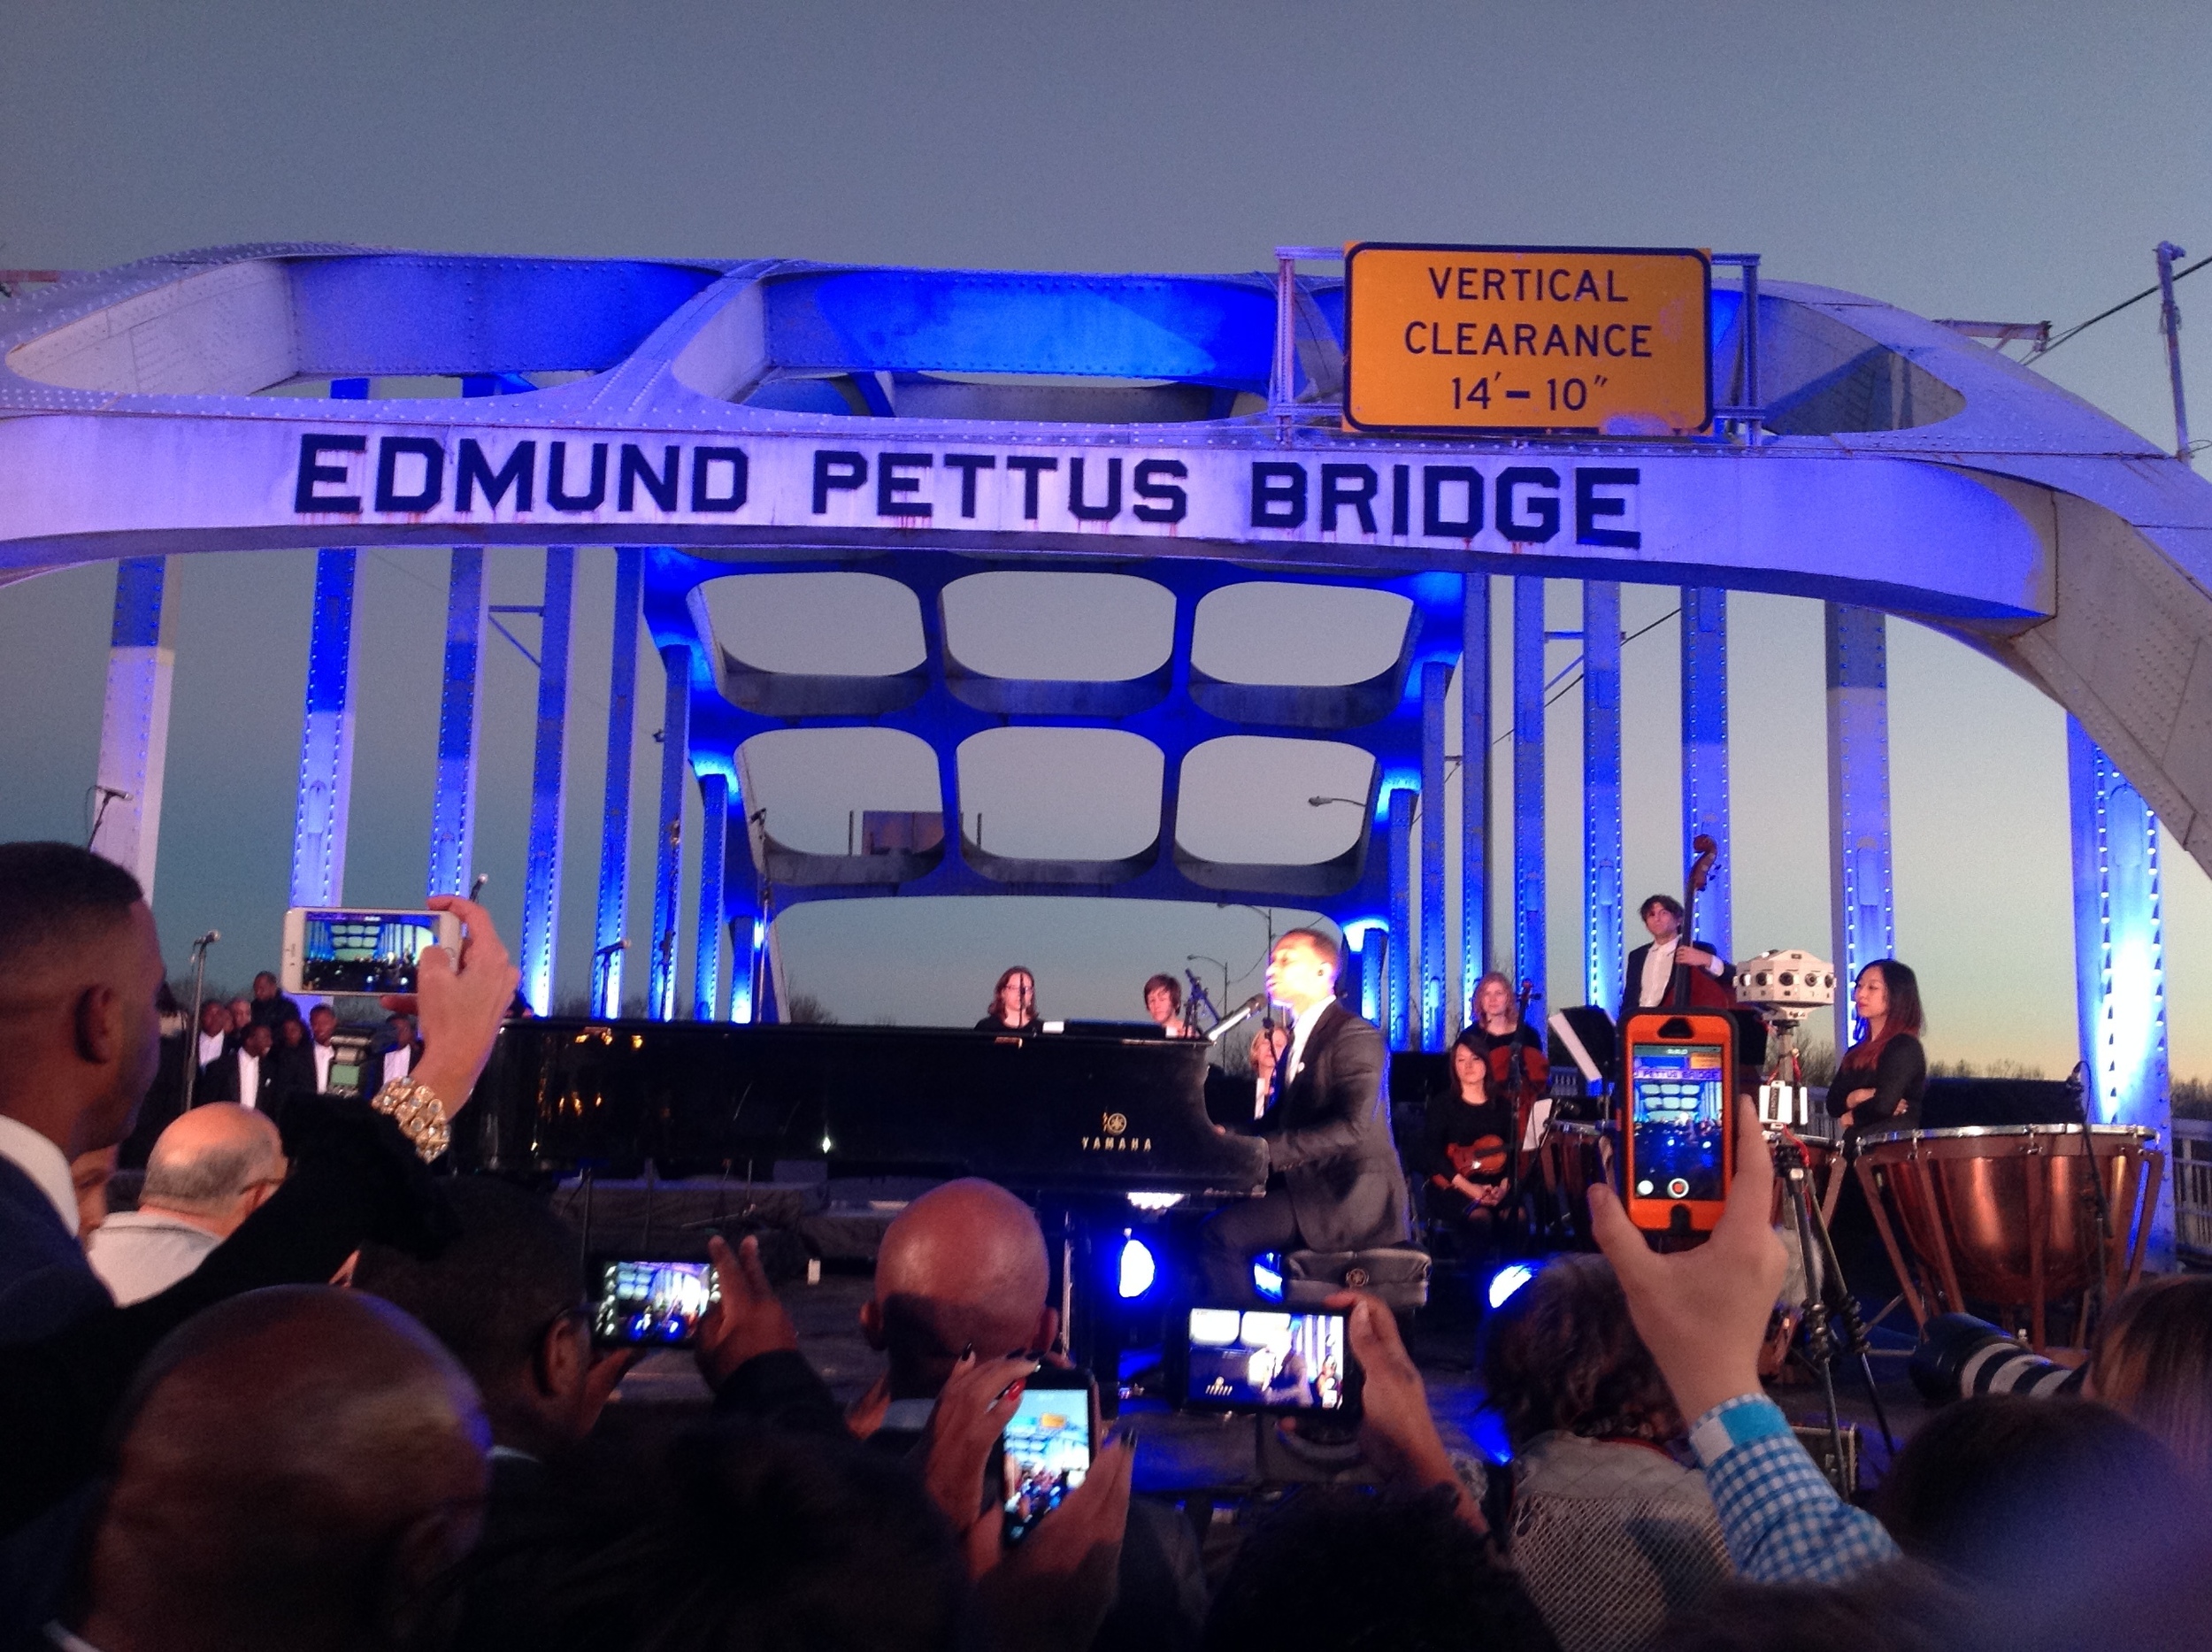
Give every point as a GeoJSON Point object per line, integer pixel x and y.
{"type": "Point", "coordinates": [649, 1302]}
{"type": "Point", "coordinates": [1238, 1359]}
{"type": "Point", "coordinates": [1046, 1450]}
{"type": "Point", "coordinates": [1678, 1153]}
{"type": "Point", "coordinates": [360, 949]}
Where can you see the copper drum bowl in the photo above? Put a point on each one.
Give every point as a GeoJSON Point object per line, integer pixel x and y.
{"type": "Point", "coordinates": [2006, 1215]}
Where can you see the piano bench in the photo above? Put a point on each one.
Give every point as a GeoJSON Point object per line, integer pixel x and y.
{"type": "Point", "coordinates": [1398, 1274]}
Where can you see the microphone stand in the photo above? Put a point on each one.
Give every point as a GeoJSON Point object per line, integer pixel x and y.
{"type": "Point", "coordinates": [192, 1029]}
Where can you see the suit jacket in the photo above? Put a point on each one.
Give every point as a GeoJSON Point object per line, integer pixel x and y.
{"type": "Point", "coordinates": [1328, 1136]}
{"type": "Point", "coordinates": [356, 1179]}
{"type": "Point", "coordinates": [1633, 982]}
{"type": "Point", "coordinates": [46, 1285]}
{"type": "Point", "coordinates": [218, 1083]}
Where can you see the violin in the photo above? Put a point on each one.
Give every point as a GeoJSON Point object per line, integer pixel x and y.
{"type": "Point", "coordinates": [1694, 988]}
{"type": "Point", "coordinates": [1485, 1156]}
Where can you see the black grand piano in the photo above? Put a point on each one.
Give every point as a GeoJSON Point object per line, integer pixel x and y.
{"type": "Point", "coordinates": [1056, 1115]}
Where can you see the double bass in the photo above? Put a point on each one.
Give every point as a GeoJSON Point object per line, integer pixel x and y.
{"type": "Point", "coordinates": [1694, 988]}
{"type": "Point", "coordinates": [1519, 1072]}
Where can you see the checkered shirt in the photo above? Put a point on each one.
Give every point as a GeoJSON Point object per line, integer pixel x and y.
{"type": "Point", "coordinates": [1783, 1521]}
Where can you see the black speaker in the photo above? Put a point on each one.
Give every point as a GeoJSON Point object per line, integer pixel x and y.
{"type": "Point", "coordinates": [1993, 1103]}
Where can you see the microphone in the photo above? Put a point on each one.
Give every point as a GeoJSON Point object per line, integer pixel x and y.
{"type": "Point", "coordinates": [208, 939]}
{"type": "Point", "coordinates": [1250, 1007]}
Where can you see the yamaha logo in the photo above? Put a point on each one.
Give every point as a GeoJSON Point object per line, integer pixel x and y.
{"type": "Point", "coordinates": [1114, 1136]}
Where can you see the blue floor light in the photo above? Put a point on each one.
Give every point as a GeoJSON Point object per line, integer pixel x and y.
{"type": "Point", "coordinates": [1267, 1276]}
{"type": "Point", "coordinates": [1506, 1280]}
{"type": "Point", "coordinates": [1138, 1269]}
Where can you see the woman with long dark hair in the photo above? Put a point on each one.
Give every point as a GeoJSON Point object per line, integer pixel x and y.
{"type": "Point", "coordinates": [1013, 1003]}
{"type": "Point", "coordinates": [1882, 1076]}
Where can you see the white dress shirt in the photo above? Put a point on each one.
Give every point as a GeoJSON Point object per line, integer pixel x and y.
{"type": "Point", "coordinates": [395, 1064]}
{"type": "Point", "coordinates": [1658, 973]}
{"type": "Point", "coordinates": [1301, 1030]}
{"type": "Point", "coordinates": [211, 1046]}
{"type": "Point", "coordinates": [248, 1078]}
{"type": "Point", "coordinates": [139, 1254]}
{"type": "Point", "coordinates": [44, 1164]}
{"type": "Point", "coordinates": [325, 1054]}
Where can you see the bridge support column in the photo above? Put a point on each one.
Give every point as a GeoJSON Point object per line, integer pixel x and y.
{"type": "Point", "coordinates": [326, 790]}
{"type": "Point", "coordinates": [2120, 956]}
{"type": "Point", "coordinates": [614, 832]}
{"type": "Point", "coordinates": [453, 809]}
{"type": "Point", "coordinates": [1398, 1029]}
{"type": "Point", "coordinates": [549, 790]}
{"type": "Point", "coordinates": [1865, 926]}
{"type": "Point", "coordinates": [1528, 784]}
{"type": "Point", "coordinates": [1474, 791]}
{"type": "Point", "coordinates": [133, 723]}
{"type": "Point", "coordinates": [1435, 1009]}
{"type": "Point", "coordinates": [713, 923]}
{"type": "Point", "coordinates": [1602, 918]}
{"type": "Point", "coordinates": [1374, 977]}
{"type": "Point", "coordinates": [668, 855]}
{"type": "Point", "coordinates": [1705, 754]}
{"type": "Point", "coordinates": [742, 894]}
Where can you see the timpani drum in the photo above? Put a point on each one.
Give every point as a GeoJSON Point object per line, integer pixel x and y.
{"type": "Point", "coordinates": [2006, 1217]}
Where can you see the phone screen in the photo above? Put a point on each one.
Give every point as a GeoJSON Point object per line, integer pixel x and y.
{"type": "Point", "coordinates": [1047, 1449]}
{"type": "Point", "coordinates": [652, 1304]}
{"type": "Point", "coordinates": [347, 952]}
{"type": "Point", "coordinates": [1266, 1360]}
{"type": "Point", "coordinates": [1678, 1101]}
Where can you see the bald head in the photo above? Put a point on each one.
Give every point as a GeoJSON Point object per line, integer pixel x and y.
{"type": "Point", "coordinates": [214, 1166]}
{"type": "Point", "coordinates": [299, 1465]}
{"type": "Point", "coordinates": [965, 1262]}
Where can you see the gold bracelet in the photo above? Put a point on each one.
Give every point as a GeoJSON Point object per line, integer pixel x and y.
{"type": "Point", "coordinates": [415, 1108]}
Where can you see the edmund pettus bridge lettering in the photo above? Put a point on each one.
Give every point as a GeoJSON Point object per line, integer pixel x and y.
{"type": "Point", "coordinates": [773, 481]}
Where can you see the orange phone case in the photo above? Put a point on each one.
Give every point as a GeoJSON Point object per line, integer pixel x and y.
{"type": "Point", "coordinates": [1656, 1213]}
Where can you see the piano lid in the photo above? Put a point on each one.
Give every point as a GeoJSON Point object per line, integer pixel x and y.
{"type": "Point", "coordinates": [1064, 1111]}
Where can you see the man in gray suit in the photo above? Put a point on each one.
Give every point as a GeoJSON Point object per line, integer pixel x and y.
{"type": "Point", "coordinates": [1334, 1182]}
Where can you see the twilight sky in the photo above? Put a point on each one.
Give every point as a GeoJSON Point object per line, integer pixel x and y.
{"type": "Point", "coordinates": [2013, 162]}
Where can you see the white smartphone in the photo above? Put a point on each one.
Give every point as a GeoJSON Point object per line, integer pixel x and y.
{"type": "Point", "coordinates": [360, 949]}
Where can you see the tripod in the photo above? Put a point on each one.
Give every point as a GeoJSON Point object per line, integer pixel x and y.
{"type": "Point", "coordinates": [1827, 1297]}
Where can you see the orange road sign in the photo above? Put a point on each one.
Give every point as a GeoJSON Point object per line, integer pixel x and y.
{"type": "Point", "coordinates": [1616, 343]}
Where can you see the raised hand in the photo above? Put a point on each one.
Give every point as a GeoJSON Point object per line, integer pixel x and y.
{"type": "Point", "coordinates": [459, 1003]}
{"type": "Point", "coordinates": [971, 1412]}
{"type": "Point", "coordinates": [1050, 1593]}
{"type": "Point", "coordinates": [748, 1321]}
{"type": "Point", "coordinates": [1396, 1431]}
{"type": "Point", "coordinates": [1703, 1313]}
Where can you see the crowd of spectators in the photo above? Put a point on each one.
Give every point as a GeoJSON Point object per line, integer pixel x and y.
{"type": "Point", "coordinates": [213, 1445]}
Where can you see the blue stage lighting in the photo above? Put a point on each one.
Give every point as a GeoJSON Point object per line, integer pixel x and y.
{"type": "Point", "coordinates": [1138, 1269]}
{"type": "Point", "coordinates": [1508, 1279]}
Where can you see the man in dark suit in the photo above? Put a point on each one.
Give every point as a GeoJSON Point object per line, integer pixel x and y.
{"type": "Point", "coordinates": [248, 1075]}
{"type": "Point", "coordinates": [79, 1041]}
{"type": "Point", "coordinates": [1656, 969]}
{"type": "Point", "coordinates": [1334, 1182]}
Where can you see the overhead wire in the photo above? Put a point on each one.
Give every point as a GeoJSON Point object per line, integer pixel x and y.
{"type": "Point", "coordinates": [2077, 330]}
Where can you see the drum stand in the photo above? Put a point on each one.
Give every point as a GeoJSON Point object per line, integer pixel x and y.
{"type": "Point", "coordinates": [1827, 1293]}
{"type": "Point", "coordinates": [2094, 1293]}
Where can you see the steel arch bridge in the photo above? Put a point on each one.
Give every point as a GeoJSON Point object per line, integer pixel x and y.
{"type": "Point", "coordinates": [715, 420]}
